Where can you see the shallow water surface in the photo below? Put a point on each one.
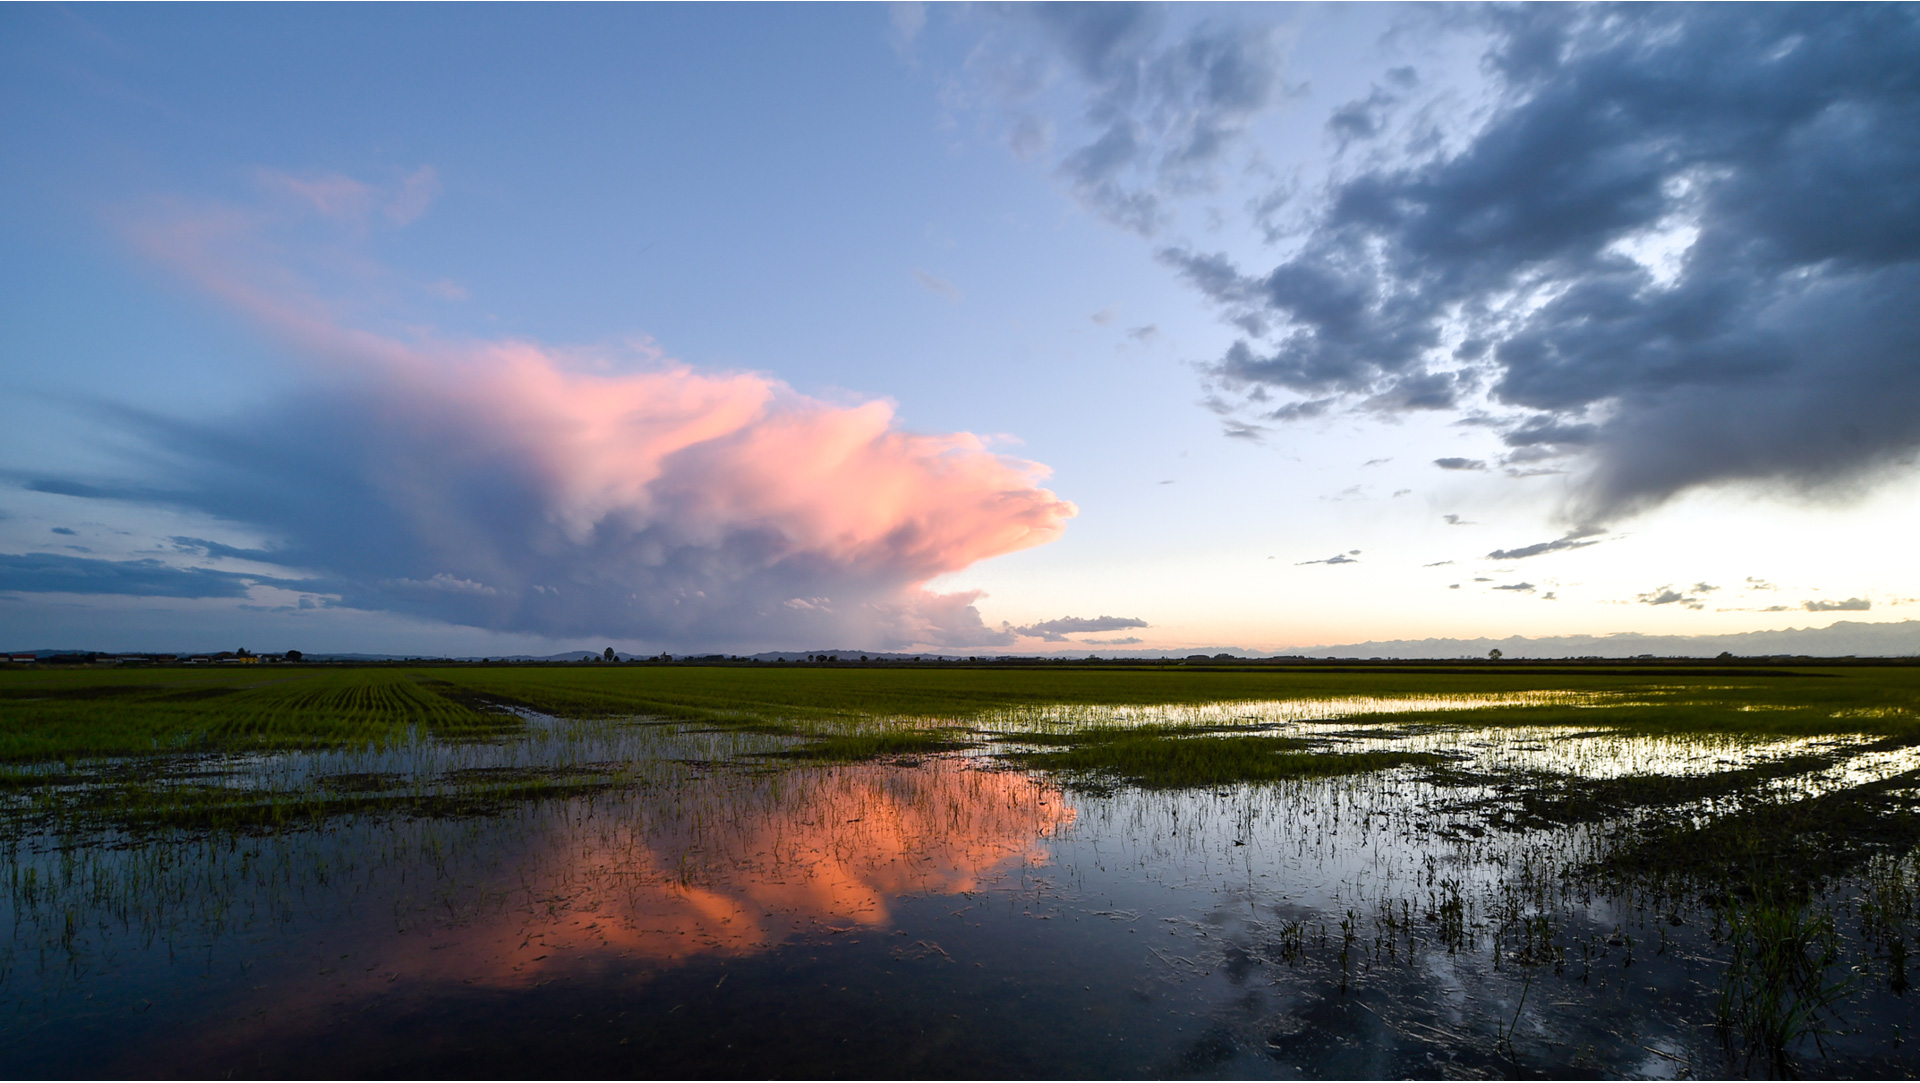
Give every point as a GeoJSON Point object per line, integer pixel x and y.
{"type": "Point", "coordinates": [702, 910]}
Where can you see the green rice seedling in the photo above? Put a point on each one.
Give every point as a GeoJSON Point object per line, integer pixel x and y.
{"type": "Point", "coordinates": [1156, 758]}
{"type": "Point", "coordinates": [886, 744]}
{"type": "Point", "coordinates": [1774, 992]}
{"type": "Point", "coordinates": [1539, 799]}
{"type": "Point", "coordinates": [1774, 838]}
{"type": "Point", "coordinates": [47, 713]}
{"type": "Point", "coordinates": [61, 715]}
{"type": "Point", "coordinates": [1889, 904]}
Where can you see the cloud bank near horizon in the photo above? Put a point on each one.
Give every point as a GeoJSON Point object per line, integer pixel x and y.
{"type": "Point", "coordinates": [512, 486]}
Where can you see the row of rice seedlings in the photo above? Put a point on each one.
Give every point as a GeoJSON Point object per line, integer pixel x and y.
{"type": "Point", "coordinates": [120, 712]}
{"type": "Point", "coordinates": [284, 709]}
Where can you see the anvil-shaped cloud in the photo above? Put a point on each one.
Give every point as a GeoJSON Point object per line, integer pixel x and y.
{"type": "Point", "coordinates": [513, 486]}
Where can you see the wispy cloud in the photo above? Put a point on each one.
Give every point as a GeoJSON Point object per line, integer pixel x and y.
{"type": "Point", "coordinates": [1161, 110]}
{"type": "Point", "coordinates": [937, 285]}
{"type": "Point", "coordinates": [356, 202]}
{"type": "Point", "coordinates": [50, 573]}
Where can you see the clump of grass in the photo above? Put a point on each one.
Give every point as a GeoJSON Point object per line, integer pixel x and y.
{"type": "Point", "coordinates": [1888, 908]}
{"type": "Point", "coordinates": [885, 744]}
{"type": "Point", "coordinates": [1774, 993]}
{"type": "Point", "coordinates": [1545, 800]}
{"type": "Point", "coordinates": [1771, 840]}
{"type": "Point", "coordinates": [1174, 758]}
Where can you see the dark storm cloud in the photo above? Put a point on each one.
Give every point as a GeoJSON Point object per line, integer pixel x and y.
{"type": "Point", "coordinates": [1162, 110]}
{"type": "Point", "coordinates": [1337, 558]}
{"type": "Point", "coordinates": [1057, 631]}
{"type": "Point", "coordinates": [68, 487]}
{"type": "Point", "coordinates": [216, 549]}
{"type": "Point", "coordinates": [1849, 605]}
{"type": "Point", "coordinates": [1421, 391]}
{"type": "Point", "coordinates": [1578, 539]}
{"type": "Point", "coordinates": [1688, 597]}
{"type": "Point", "coordinates": [49, 573]}
{"type": "Point", "coordinates": [1686, 242]}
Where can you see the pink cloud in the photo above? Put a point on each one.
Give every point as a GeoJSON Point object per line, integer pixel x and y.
{"type": "Point", "coordinates": [700, 455]}
{"type": "Point", "coordinates": [646, 496]}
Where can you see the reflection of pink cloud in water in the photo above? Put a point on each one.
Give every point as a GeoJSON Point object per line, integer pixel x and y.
{"type": "Point", "coordinates": [720, 867]}
{"type": "Point", "coordinates": [763, 862]}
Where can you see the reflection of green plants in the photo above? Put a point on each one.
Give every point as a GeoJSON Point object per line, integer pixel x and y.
{"type": "Point", "coordinates": [1774, 993]}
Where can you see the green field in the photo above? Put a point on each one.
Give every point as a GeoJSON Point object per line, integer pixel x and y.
{"type": "Point", "coordinates": [56, 713]}
{"type": "Point", "coordinates": [1772, 810]}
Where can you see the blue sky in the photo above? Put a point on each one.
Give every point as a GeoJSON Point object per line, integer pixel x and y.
{"type": "Point", "coordinates": [490, 329]}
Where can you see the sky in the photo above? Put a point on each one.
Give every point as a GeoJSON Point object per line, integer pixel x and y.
{"type": "Point", "coordinates": [971, 329]}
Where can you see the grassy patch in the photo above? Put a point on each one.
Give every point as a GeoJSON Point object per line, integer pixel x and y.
{"type": "Point", "coordinates": [1176, 758]}
{"type": "Point", "coordinates": [143, 809]}
{"type": "Point", "coordinates": [62, 715]}
{"type": "Point", "coordinates": [1778, 841]}
{"type": "Point", "coordinates": [1553, 800]}
{"type": "Point", "coordinates": [55, 713]}
{"type": "Point", "coordinates": [887, 744]}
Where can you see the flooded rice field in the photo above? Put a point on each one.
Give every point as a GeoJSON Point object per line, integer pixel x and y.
{"type": "Point", "coordinates": [1436, 894]}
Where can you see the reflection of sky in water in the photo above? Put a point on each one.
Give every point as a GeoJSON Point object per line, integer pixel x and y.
{"type": "Point", "coordinates": [1227, 712]}
{"type": "Point", "coordinates": [966, 909]}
